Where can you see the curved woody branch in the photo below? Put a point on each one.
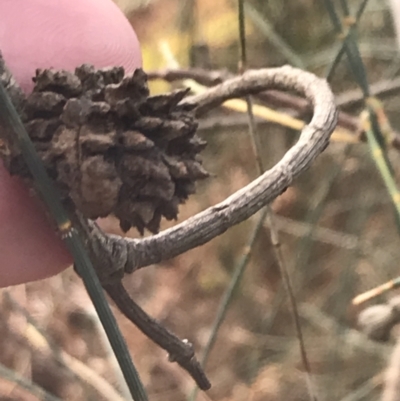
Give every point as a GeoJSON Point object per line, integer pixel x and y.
{"type": "Point", "coordinates": [131, 254]}
{"type": "Point", "coordinates": [215, 220]}
{"type": "Point", "coordinates": [113, 255]}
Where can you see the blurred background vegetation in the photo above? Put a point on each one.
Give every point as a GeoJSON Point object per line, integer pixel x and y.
{"type": "Point", "coordinates": [337, 228]}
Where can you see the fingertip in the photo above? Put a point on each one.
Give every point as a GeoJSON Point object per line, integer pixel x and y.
{"type": "Point", "coordinates": [29, 248]}
{"type": "Point", "coordinates": [63, 35]}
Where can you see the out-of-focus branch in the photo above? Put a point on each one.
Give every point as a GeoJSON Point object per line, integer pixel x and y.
{"type": "Point", "coordinates": [277, 98]}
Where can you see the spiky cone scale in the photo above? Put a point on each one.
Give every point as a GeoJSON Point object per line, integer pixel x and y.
{"type": "Point", "coordinates": [110, 147]}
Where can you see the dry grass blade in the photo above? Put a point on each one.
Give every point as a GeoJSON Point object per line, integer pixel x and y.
{"type": "Point", "coordinates": [26, 384]}
{"type": "Point", "coordinates": [38, 340]}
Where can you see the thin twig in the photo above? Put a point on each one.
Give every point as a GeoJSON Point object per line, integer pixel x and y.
{"type": "Point", "coordinates": [293, 303]}
{"type": "Point", "coordinates": [179, 351]}
{"type": "Point", "coordinates": [98, 247]}
{"type": "Point", "coordinates": [229, 293]}
{"type": "Point", "coordinates": [256, 144]}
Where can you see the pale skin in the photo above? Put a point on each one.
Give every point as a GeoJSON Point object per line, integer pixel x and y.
{"type": "Point", "coordinates": [61, 34]}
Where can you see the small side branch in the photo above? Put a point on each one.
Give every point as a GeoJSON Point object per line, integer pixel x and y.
{"type": "Point", "coordinates": [179, 351]}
